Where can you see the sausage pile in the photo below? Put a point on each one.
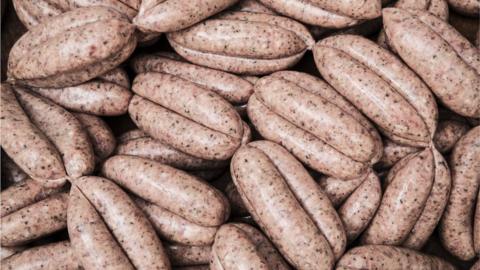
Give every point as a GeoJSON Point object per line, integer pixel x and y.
{"type": "Point", "coordinates": [240, 135]}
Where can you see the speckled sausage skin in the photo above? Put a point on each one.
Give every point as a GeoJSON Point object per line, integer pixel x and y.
{"type": "Point", "coordinates": [264, 247]}
{"type": "Point", "coordinates": [233, 250]}
{"type": "Point", "coordinates": [466, 7]}
{"type": "Point", "coordinates": [91, 241]}
{"type": "Point", "coordinates": [377, 257]}
{"type": "Point", "coordinates": [175, 228]}
{"type": "Point", "coordinates": [28, 147]}
{"type": "Point", "coordinates": [317, 116]}
{"type": "Point", "coordinates": [379, 85]}
{"type": "Point", "coordinates": [190, 105]}
{"type": "Point", "coordinates": [44, 56]}
{"type": "Point", "coordinates": [181, 255]}
{"type": "Point", "coordinates": [71, 140]}
{"type": "Point", "coordinates": [23, 194]}
{"type": "Point", "coordinates": [34, 221]}
{"type": "Point", "coordinates": [327, 13]}
{"type": "Point", "coordinates": [257, 43]}
{"type": "Point", "coordinates": [306, 147]}
{"type": "Point", "coordinates": [456, 230]}
{"type": "Point", "coordinates": [400, 210]}
{"type": "Point", "coordinates": [98, 96]}
{"type": "Point", "coordinates": [233, 88]}
{"type": "Point", "coordinates": [297, 237]}
{"type": "Point", "coordinates": [56, 256]}
{"type": "Point", "coordinates": [100, 135]}
{"type": "Point", "coordinates": [438, 8]}
{"type": "Point", "coordinates": [173, 15]}
{"type": "Point", "coordinates": [147, 147]}
{"type": "Point", "coordinates": [310, 13]}
{"type": "Point", "coordinates": [441, 56]}
{"type": "Point", "coordinates": [10, 170]}
{"type": "Point", "coordinates": [169, 188]}
{"type": "Point", "coordinates": [126, 222]}
{"type": "Point", "coordinates": [33, 12]}
{"type": "Point", "coordinates": [313, 200]}
{"type": "Point", "coordinates": [434, 206]}
{"type": "Point", "coordinates": [360, 207]}
{"type": "Point", "coordinates": [321, 88]}
{"type": "Point", "coordinates": [293, 125]}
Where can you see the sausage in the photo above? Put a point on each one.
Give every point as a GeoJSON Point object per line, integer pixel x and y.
{"type": "Point", "coordinates": [359, 208]}
{"type": "Point", "coordinates": [71, 140]}
{"type": "Point", "coordinates": [411, 209]}
{"type": "Point", "coordinates": [233, 88]}
{"type": "Point", "coordinates": [301, 237]}
{"type": "Point", "coordinates": [100, 135]}
{"type": "Point", "coordinates": [321, 88]}
{"type": "Point", "coordinates": [380, 86]}
{"type": "Point", "coordinates": [47, 257]}
{"type": "Point", "coordinates": [175, 228]}
{"type": "Point", "coordinates": [32, 13]}
{"type": "Point", "coordinates": [26, 144]}
{"type": "Point", "coordinates": [465, 7]}
{"type": "Point", "coordinates": [98, 96]}
{"type": "Point", "coordinates": [169, 188]}
{"type": "Point", "coordinates": [450, 66]}
{"type": "Point", "coordinates": [147, 147]}
{"type": "Point", "coordinates": [173, 15]}
{"type": "Point", "coordinates": [34, 221]}
{"type": "Point", "coordinates": [399, 210]}
{"type": "Point", "coordinates": [216, 125]}
{"type": "Point", "coordinates": [23, 194]}
{"type": "Point", "coordinates": [210, 109]}
{"type": "Point", "coordinates": [456, 230]}
{"type": "Point", "coordinates": [278, 43]}
{"type": "Point", "coordinates": [126, 222]}
{"type": "Point", "coordinates": [438, 8]}
{"type": "Point", "coordinates": [379, 256]}
{"type": "Point", "coordinates": [328, 14]}
{"type": "Point", "coordinates": [434, 206]}
{"type": "Point", "coordinates": [316, 115]}
{"type": "Point", "coordinates": [283, 112]}
{"type": "Point", "coordinates": [181, 255]}
{"type": "Point", "coordinates": [233, 249]}
{"type": "Point", "coordinates": [91, 241]}
{"type": "Point", "coordinates": [43, 56]}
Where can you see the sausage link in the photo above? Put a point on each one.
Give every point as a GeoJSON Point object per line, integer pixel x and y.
{"type": "Point", "coordinates": [27, 145]}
